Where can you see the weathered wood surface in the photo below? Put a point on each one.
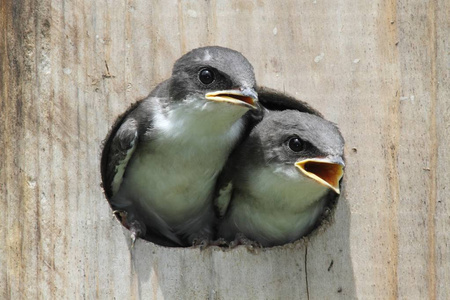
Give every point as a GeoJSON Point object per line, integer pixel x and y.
{"type": "Point", "coordinates": [380, 69]}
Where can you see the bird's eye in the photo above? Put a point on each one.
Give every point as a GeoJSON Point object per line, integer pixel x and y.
{"type": "Point", "coordinates": [206, 76]}
{"type": "Point", "coordinates": [295, 144]}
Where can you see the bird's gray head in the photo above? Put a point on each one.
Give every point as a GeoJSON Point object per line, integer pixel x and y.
{"type": "Point", "coordinates": [293, 139]}
{"type": "Point", "coordinates": [215, 73]}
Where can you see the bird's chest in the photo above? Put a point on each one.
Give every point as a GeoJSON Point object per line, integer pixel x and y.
{"type": "Point", "coordinates": [175, 174]}
{"type": "Point", "coordinates": [278, 207]}
{"type": "Point", "coordinates": [272, 223]}
{"type": "Point", "coordinates": [281, 191]}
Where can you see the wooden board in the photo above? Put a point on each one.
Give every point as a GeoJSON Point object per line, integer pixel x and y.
{"type": "Point", "coordinates": [380, 69]}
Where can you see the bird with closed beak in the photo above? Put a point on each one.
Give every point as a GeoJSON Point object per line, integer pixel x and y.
{"type": "Point", "coordinates": [161, 160]}
{"type": "Point", "coordinates": [277, 182]}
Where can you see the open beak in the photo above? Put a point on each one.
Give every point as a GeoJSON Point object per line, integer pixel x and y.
{"type": "Point", "coordinates": [247, 97]}
{"type": "Point", "coordinates": [324, 171]}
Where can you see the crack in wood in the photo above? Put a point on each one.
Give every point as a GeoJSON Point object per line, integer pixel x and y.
{"type": "Point", "coordinates": [306, 271]}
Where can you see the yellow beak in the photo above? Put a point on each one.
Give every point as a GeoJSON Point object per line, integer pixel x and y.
{"type": "Point", "coordinates": [324, 171]}
{"type": "Point", "coordinates": [247, 97]}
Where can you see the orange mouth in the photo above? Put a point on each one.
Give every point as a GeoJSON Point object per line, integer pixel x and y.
{"type": "Point", "coordinates": [323, 171]}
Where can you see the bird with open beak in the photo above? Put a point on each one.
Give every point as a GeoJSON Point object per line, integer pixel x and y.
{"type": "Point", "coordinates": [277, 182]}
{"type": "Point", "coordinates": [161, 161]}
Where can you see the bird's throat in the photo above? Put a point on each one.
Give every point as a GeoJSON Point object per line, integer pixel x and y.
{"type": "Point", "coordinates": [200, 118]}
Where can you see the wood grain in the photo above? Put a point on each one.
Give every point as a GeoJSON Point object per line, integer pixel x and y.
{"type": "Point", "coordinates": [379, 69]}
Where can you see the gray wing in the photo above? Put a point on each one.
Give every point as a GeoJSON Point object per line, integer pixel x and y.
{"type": "Point", "coordinates": [122, 148]}
{"type": "Point", "coordinates": [117, 151]}
{"type": "Point", "coordinates": [224, 189]}
{"type": "Point", "coordinates": [223, 198]}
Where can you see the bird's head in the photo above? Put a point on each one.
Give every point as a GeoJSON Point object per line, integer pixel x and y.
{"type": "Point", "coordinates": [217, 74]}
{"type": "Point", "coordinates": [298, 145]}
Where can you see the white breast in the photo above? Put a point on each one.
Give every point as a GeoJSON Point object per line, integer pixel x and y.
{"type": "Point", "coordinates": [277, 205]}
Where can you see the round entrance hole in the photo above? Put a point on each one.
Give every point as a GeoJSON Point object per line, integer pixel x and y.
{"type": "Point", "coordinates": [271, 100]}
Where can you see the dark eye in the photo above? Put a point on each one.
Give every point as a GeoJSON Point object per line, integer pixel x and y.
{"type": "Point", "coordinates": [295, 144]}
{"type": "Point", "coordinates": [206, 76]}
